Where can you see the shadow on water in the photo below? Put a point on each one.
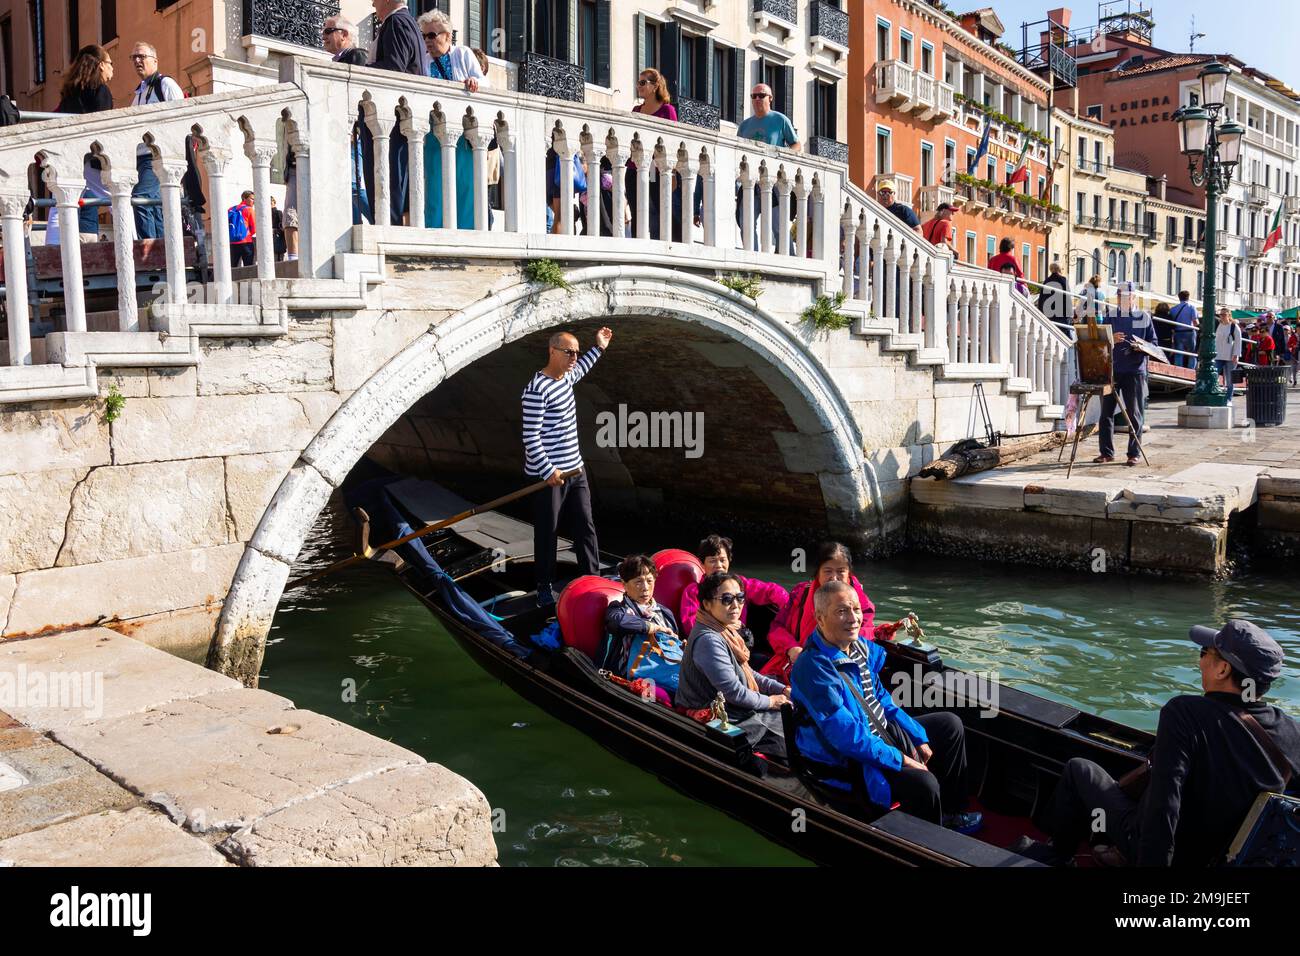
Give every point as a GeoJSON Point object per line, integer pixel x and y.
{"type": "Point", "coordinates": [360, 649]}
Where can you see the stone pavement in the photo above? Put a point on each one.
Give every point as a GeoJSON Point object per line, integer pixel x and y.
{"type": "Point", "coordinates": [113, 753]}
{"type": "Point", "coordinates": [1169, 515]}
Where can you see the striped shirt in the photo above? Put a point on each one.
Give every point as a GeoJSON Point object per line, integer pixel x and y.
{"type": "Point", "coordinates": [551, 420]}
{"type": "Point", "coordinates": [876, 710]}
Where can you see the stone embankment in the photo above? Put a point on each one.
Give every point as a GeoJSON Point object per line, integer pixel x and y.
{"type": "Point", "coordinates": [114, 753]}
{"type": "Point", "coordinates": [1172, 515]}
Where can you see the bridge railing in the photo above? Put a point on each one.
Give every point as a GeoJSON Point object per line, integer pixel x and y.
{"type": "Point", "coordinates": [723, 203]}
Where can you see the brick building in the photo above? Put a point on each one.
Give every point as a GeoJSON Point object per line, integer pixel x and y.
{"type": "Point", "coordinates": [922, 85]}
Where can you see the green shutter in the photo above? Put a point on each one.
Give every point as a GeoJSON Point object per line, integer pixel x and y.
{"type": "Point", "coordinates": [785, 91]}
{"type": "Point", "coordinates": [516, 29]}
{"type": "Point", "coordinates": [738, 86]}
{"type": "Point", "coordinates": [570, 32]}
{"type": "Point", "coordinates": [670, 57]}
{"type": "Point", "coordinates": [708, 72]}
{"type": "Point", "coordinates": [474, 25]}
{"type": "Point", "coordinates": [603, 17]}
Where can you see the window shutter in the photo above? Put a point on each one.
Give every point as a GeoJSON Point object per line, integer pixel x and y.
{"type": "Point", "coordinates": [785, 93]}
{"type": "Point", "coordinates": [602, 43]}
{"type": "Point", "coordinates": [570, 31]}
{"type": "Point", "coordinates": [443, 5]}
{"type": "Point", "coordinates": [670, 57]}
{"type": "Point", "coordinates": [516, 30]}
{"type": "Point", "coordinates": [708, 72]}
{"type": "Point", "coordinates": [474, 26]}
{"type": "Point", "coordinates": [640, 50]}
{"type": "Point", "coordinates": [738, 88]}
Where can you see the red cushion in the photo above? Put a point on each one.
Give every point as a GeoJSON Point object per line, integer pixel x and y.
{"type": "Point", "coordinates": [677, 569]}
{"type": "Point", "coordinates": [581, 611]}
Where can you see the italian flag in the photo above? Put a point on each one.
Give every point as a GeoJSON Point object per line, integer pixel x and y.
{"type": "Point", "coordinates": [1021, 175]}
{"type": "Point", "coordinates": [1274, 234]}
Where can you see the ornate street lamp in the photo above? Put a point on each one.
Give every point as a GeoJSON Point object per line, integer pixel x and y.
{"type": "Point", "coordinates": [1212, 148]}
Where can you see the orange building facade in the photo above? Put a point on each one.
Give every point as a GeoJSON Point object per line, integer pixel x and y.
{"type": "Point", "coordinates": [923, 85]}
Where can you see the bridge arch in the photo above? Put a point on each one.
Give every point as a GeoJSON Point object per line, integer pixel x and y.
{"type": "Point", "coordinates": [829, 440]}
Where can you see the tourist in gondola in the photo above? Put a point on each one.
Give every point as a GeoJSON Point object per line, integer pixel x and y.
{"type": "Point", "coordinates": [715, 553]}
{"type": "Point", "coordinates": [637, 615]}
{"type": "Point", "coordinates": [1214, 753]}
{"type": "Point", "coordinates": [717, 662]}
{"type": "Point", "coordinates": [793, 625]}
{"type": "Point", "coordinates": [918, 762]}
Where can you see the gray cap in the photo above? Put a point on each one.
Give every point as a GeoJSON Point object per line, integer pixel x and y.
{"type": "Point", "coordinates": [1249, 649]}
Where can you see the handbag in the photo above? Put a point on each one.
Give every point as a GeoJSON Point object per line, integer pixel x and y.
{"type": "Point", "coordinates": [657, 658]}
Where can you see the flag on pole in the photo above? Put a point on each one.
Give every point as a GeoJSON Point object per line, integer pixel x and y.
{"type": "Point", "coordinates": [1021, 173]}
{"type": "Point", "coordinates": [1274, 234]}
{"type": "Point", "coordinates": [983, 150]}
{"type": "Point", "coordinates": [1051, 171]}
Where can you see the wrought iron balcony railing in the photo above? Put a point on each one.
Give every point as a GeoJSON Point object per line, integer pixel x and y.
{"type": "Point", "coordinates": [546, 76]}
{"type": "Point", "coordinates": [828, 148]}
{"type": "Point", "coordinates": [698, 113]}
{"type": "Point", "coordinates": [289, 21]}
{"type": "Point", "coordinates": [830, 22]}
{"type": "Point", "coordinates": [786, 10]}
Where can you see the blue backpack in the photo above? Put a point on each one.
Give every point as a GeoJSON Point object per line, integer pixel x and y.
{"type": "Point", "coordinates": [238, 224]}
{"type": "Point", "coordinates": [656, 658]}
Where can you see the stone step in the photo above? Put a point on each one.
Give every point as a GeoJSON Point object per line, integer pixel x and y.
{"type": "Point", "coordinates": [926, 356]}
{"type": "Point", "coordinates": [1018, 386]}
{"type": "Point", "coordinates": [905, 342]}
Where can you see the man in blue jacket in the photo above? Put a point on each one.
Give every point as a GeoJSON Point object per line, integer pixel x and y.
{"type": "Point", "coordinates": [919, 762]}
{"type": "Point", "coordinates": [1130, 368]}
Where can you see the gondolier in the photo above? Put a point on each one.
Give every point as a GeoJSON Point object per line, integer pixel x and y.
{"type": "Point", "coordinates": [550, 449]}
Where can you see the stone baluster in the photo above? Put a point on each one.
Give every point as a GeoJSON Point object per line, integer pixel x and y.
{"type": "Point", "coordinates": [120, 181]}
{"type": "Point", "coordinates": [928, 316]}
{"type": "Point", "coordinates": [800, 215]}
{"type": "Point", "coordinates": [260, 153]}
{"type": "Point", "coordinates": [618, 157]}
{"type": "Point", "coordinates": [964, 312]}
{"type": "Point", "coordinates": [997, 353]}
{"type": "Point", "coordinates": [914, 321]}
{"type": "Point", "coordinates": [746, 206]}
{"type": "Point", "coordinates": [664, 167]}
{"type": "Point", "coordinates": [877, 273]}
{"type": "Point", "coordinates": [448, 139]}
{"type": "Point", "coordinates": [592, 154]}
{"type": "Point", "coordinates": [1014, 340]}
{"type": "Point", "coordinates": [67, 184]}
{"type": "Point", "coordinates": [952, 323]}
{"type": "Point", "coordinates": [690, 167]}
{"type": "Point", "coordinates": [848, 233]}
{"type": "Point", "coordinates": [415, 128]}
{"type": "Point", "coordinates": [215, 161]}
{"type": "Point", "coordinates": [564, 157]}
{"type": "Point", "coordinates": [862, 264]}
{"type": "Point", "coordinates": [381, 131]}
{"type": "Point", "coordinates": [12, 206]}
{"type": "Point", "coordinates": [903, 278]}
{"type": "Point", "coordinates": [1026, 348]}
{"type": "Point", "coordinates": [506, 141]}
{"type": "Point", "coordinates": [1040, 366]}
{"type": "Point", "coordinates": [643, 166]}
{"type": "Point", "coordinates": [479, 139]}
{"type": "Point", "coordinates": [889, 280]}
{"type": "Point", "coordinates": [984, 327]}
{"type": "Point", "coordinates": [764, 207]}
{"type": "Point", "coordinates": [301, 147]}
{"type": "Point", "coordinates": [817, 218]}
{"type": "Point", "coordinates": [783, 188]}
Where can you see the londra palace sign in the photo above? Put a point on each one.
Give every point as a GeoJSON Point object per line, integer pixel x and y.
{"type": "Point", "coordinates": [1135, 106]}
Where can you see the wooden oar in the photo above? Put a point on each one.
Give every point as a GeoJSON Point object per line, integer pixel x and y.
{"type": "Point", "coordinates": [427, 529]}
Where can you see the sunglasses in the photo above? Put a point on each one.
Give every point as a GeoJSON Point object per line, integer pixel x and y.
{"type": "Point", "coordinates": [143, 56]}
{"type": "Point", "coordinates": [434, 36]}
{"type": "Point", "coordinates": [329, 30]}
{"type": "Point", "coordinates": [643, 82]}
{"type": "Point", "coordinates": [758, 96]}
{"type": "Point", "coordinates": [731, 600]}
{"type": "Point", "coordinates": [569, 352]}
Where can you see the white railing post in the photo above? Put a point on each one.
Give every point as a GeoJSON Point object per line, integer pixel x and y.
{"type": "Point", "coordinates": [710, 215]}
{"type": "Point", "coordinates": [783, 187]}
{"type": "Point", "coordinates": [877, 274]}
{"type": "Point", "coordinates": [747, 241]}
{"type": "Point", "coordinates": [170, 172]}
{"type": "Point", "coordinates": [564, 157]}
{"type": "Point", "coordinates": [510, 177]}
{"type": "Point", "coordinates": [1013, 340]}
{"type": "Point", "coordinates": [261, 153]}
{"type": "Point", "coordinates": [121, 180]}
{"type": "Point", "coordinates": [914, 316]}
{"type": "Point", "coordinates": [903, 277]}
{"type": "Point", "coordinates": [848, 244]}
{"type": "Point", "coordinates": [801, 215]}
{"type": "Point", "coordinates": [306, 233]}
{"type": "Point", "coordinates": [664, 178]}
{"type": "Point", "coordinates": [479, 138]}
{"type": "Point", "coordinates": [817, 217]}
{"type": "Point", "coordinates": [381, 203]}
{"type": "Point", "coordinates": [953, 356]}
{"type": "Point", "coordinates": [593, 154]}
{"type": "Point", "coordinates": [216, 161]}
{"type": "Point", "coordinates": [964, 316]}
{"type": "Point", "coordinates": [12, 206]}
{"type": "Point", "coordinates": [890, 283]}
{"type": "Point", "coordinates": [643, 164]}
{"type": "Point", "coordinates": [928, 317]}
{"type": "Point", "coordinates": [448, 139]}
{"type": "Point", "coordinates": [765, 207]}
{"type": "Point", "coordinates": [986, 345]}
{"type": "Point", "coordinates": [67, 187]}
{"type": "Point", "coordinates": [618, 157]}
{"type": "Point", "coordinates": [689, 167]}
{"type": "Point", "coordinates": [415, 127]}
{"type": "Point", "coordinates": [862, 263]}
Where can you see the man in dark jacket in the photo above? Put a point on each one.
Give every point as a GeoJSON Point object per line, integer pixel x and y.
{"type": "Point", "coordinates": [1213, 755]}
{"type": "Point", "coordinates": [1130, 367]}
{"type": "Point", "coordinates": [397, 48]}
{"type": "Point", "coordinates": [339, 37]}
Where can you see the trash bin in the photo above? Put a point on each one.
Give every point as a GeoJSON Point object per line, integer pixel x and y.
{"type": "Point", "coordinates": [1266, 395]}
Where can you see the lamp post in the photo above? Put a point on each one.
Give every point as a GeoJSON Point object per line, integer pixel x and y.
{"type": "Point", "coordinates": [1212, 148]}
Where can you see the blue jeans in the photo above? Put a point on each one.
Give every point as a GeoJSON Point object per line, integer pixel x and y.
{"type": "Point", "coordinates": [1225, 371]}
{"type": "Point", "coordinates": [1185, 342]}
{"type": "Point", "coordinates": [148, 219]}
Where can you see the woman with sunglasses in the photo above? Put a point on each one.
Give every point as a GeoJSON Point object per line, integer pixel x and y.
{"type": "Point", "coordinates": [459, 65]}
{"type": "Point", "coordinates": [717, 662]}
{"type": "Point", "coordinates": [656, 101]}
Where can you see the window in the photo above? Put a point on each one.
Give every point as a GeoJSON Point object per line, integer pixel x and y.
{"type": "Point", "coordinates": [1122, 273]}
{"type": "Point", "coordinates": [1096, 156]}
{"type": "Point", "coordinates": [1078, 270]}
{"type": "Point", "coordinates": [825, 120]}
{"type": "Point", "coordinates": [949, 161]}
{"type": "Point", "coordinates": [1147, 278]}
{"type": "Point", "coordinates": [7, 54]}
{"type": "Point", "coordinates": [1083, 152]}
{"type": "Point", "coordinates": [971, 239]}
{"type": "Point", "coordinates": [74, 29]}
{"type": "Point", "coordinates": [970, 161]}
{"type": "Point", "coordinates": [1079, 203]}
{"type": "Point", "coordinates": [36, 23]}
{"type": "Point", "coordinates": [927, 59]}
{"type": "Point", "coordinates": [905, 47]}
{"type": "Point", "coordinates": [1094, 112]}
{"type": "Point", "coordinates": [1096, 207]}
{"type": "Point", "coordinates": [1024, 260]}
{"type": "Point", "coordinates": [1193, 98]}
{"type": "Point", "coordinates": [991, 247]}
{"type": "Point", "coordinates": [1200, 279]}
{"type": "Point", "coordinates": [927, 165]}
{"type": "Point", "coordinates": [1110, 210]}
{"type": "Point", "coordinates": [726, 80]}
{"type": "Point", "coordinates": [1111, 265]}
{"type": "Point", "coordinates": [1169, 278]}
{"type": "Point", "coordinates": [882, 40]}
{"type": "Point", "coordinates": [884, 156]}
{"type": "Point", "coordinates": [491, 28]}
{"type": "Point", "coordinates": [694, 68]}
{"type": "Point", "coordinates": [654, 44]}
{"type": "Point", "coordinates": [587, 40]}
{"type": "Point", "coordinates": [1187, 229]}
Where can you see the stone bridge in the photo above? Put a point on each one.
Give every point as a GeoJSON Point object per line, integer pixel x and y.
{"type": "Point", "coordinates": [250, 395]}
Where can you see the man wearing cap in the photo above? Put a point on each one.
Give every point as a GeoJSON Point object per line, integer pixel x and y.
{"type": "Point", "coordinates": [1130, 368]}
{"type": "Point", "coordinates": [939, 232]}
{"type": "Point", "coordinates": [1213, 755]}
{"type": "Point", "coordinates": [885, 192]}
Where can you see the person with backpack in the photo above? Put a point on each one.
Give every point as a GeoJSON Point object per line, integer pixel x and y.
{"type": "Point", "coordinates": [243, 231]}
{"type": "Point", "coordinates": [1184, 314]}
{"type": "Point", "coordinates": [153, 88]}
{"type": "Point", "coordinates": [939, 231]}
{"type": "Point", "coordinates": [1227, 347]}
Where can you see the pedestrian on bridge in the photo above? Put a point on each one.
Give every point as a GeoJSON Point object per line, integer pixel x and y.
{"type": "Point", "coordinates": [153, 88]}
{"type": "Point", "coordinates": [551, 449]}
{"type": "Point", "coordinates": [399, 48]}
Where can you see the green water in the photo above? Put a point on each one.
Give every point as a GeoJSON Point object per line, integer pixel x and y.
{"type": "Point", "coordinates": [1112, 644]}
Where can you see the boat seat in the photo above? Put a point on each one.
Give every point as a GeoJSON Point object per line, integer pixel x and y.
{"type": "Point", "coordinates": [581, 612]}
{"type": "Point", "coordinates": [839, 786]}
{"type": "Point", "coordinates": [676, 570]}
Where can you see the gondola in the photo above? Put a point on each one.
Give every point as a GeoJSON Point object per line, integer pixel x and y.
{"type": "Point", "coordinates": [1016, 755]}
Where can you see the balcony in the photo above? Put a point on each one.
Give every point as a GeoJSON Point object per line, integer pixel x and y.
{"type": "Point", "coordinates": [1291, 206]}
{"type": "Point", "coordinates": [1278, 145]}
{"type": "Point", "coordinates": [1254, 248]}
{"type": "Point", "coordinates": [1290, 254]}
{"type": "Point", "coordinates": [932, 196]}
{"type": "Point", "coordinates": [1257, 194]}
{"type": "Point", "coordinates": [1000, 206]}
{"type": "Point", "coordinates": [783, 14]}
{"type": "Point", "coordinates": [1255, 300]}
{"type": "Point", "coordinates": [698, 113]}
{"type": "Point", "coordinates": [829, 24]}
{"type": "Point", "coordinates": [828, 148]}
{"type": "Point", "coordinates": [297, 22]}
{"type": "Point", "coordinates": [545, 76]}
{"type": "Point", "coordinates": [1084, 221]}
{"type": "Point", "coordinates": [976, 198]}
{"type": "Point", "coordinates": [896, 85]}
{"type": "Point", "coordinates": [1091, 167]}
{"type": "Point", "coordinates": [934, 99]}
{"type": "Point", "coordinates": [902, 184]}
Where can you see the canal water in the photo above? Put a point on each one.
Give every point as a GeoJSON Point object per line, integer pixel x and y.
{"type": "Point", "coordinates": [360, 649]}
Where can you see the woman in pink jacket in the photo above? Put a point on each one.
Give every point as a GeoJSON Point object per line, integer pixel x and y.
{"type": "Point", "coordinates": [790, 629]}
{"type": "Point", "coordinates": [715, 553]}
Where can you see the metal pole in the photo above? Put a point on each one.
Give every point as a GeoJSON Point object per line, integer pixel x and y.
{"type": "Point", "coordinates": [1207, 392]}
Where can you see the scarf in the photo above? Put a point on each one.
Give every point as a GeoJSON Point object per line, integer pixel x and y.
{"type": "Point", "coordinates": [734, 641]}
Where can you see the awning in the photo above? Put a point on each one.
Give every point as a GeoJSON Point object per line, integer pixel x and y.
{"type": "Point", "coordinates": [1118, 245]}
{"type": "Point", "coordinates": [1292, 313]}
{"type": "Point", "coordinates": [1245, 314]}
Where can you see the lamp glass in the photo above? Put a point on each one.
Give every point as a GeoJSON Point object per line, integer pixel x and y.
{"type": "Point", "coordinates": [1229, 139]}
{"type": "Point", "coordinates": [1214, 84]}
{"type": "Point", "coordinates": [1195, 126]}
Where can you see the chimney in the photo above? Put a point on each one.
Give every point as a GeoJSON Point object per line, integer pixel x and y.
{"type": "Point", "coordinates": [1164, 187]}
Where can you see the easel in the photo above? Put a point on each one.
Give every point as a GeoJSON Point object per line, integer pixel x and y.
{"type": "Point", "coordinates": [1095, 348]}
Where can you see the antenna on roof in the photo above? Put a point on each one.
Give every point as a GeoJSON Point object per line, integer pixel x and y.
{"type": "Point", "coordinates": [1191, 40]}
